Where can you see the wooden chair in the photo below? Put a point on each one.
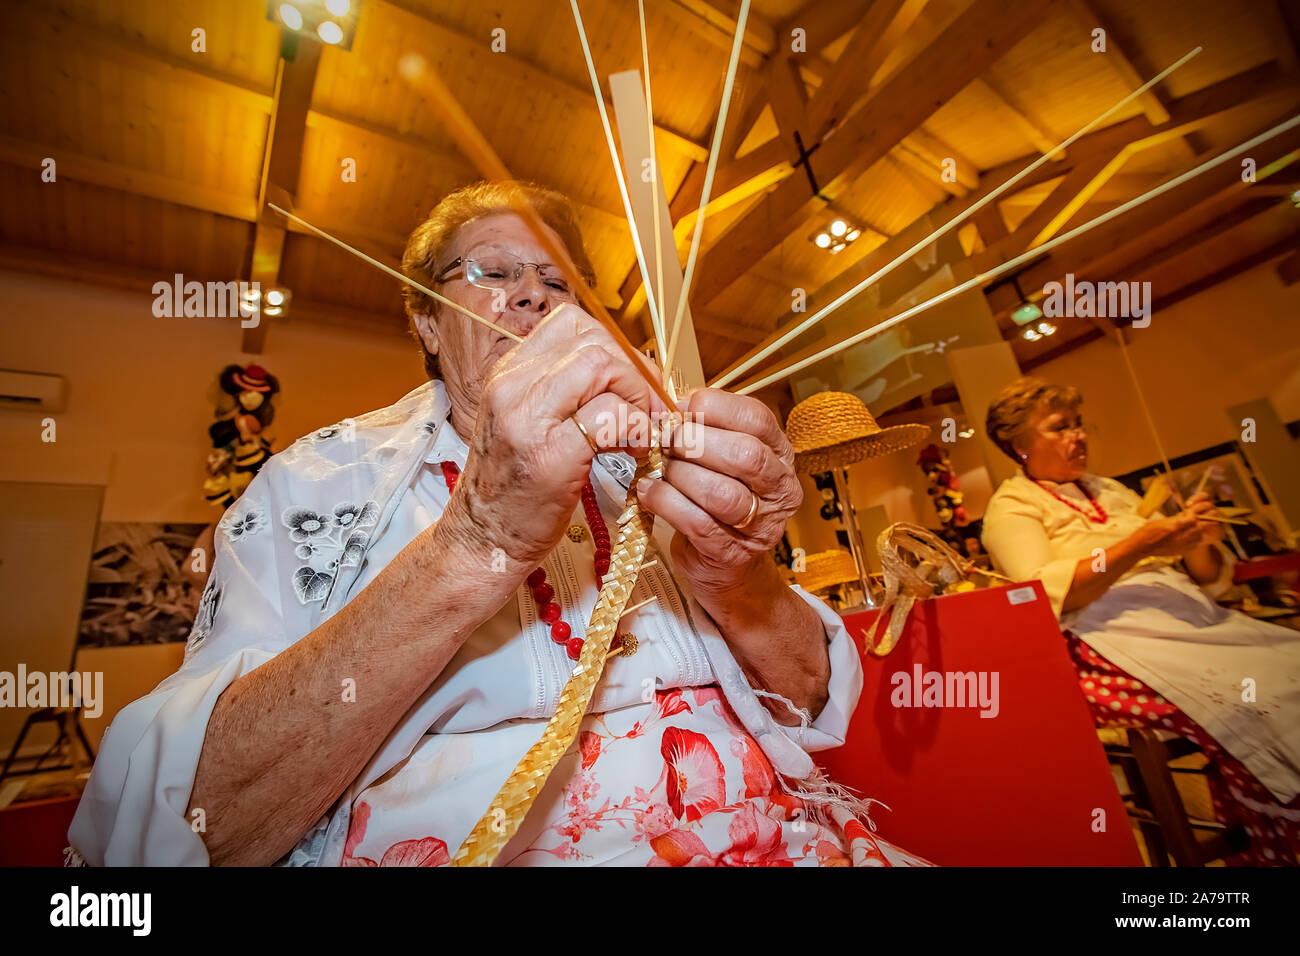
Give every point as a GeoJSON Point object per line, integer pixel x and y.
{"type": "Point", "coordinates": [1154, 802]}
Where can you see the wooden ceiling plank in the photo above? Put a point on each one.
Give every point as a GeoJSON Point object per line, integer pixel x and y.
{"type": "Point", "coordinates": [978, 37]}
{"type": "Point", "coordinates": [1122, 63]}
{"type": "Point", "coordinates": [63, 33]}
{"type": "Point", "coordinates": [329, 120]}
{"type": "Point", "coordinates": [528, 73]}
{"type": "Point", "coordinates": [1022, 110]}
{"type": "Point", "coordinates": [719, 28]}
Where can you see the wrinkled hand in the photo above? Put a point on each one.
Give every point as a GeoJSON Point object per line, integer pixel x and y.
{"type": "Point", "coordinates": [528, 462]}
{"type": "Point", "coordinates": [730, 452]}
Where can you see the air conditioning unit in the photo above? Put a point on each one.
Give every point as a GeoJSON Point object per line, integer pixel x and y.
{"type": "Point", "coordinates": [32, 391]}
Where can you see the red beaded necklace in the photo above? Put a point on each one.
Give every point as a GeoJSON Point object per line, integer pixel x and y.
{"type": "Point", "coordinates": [1099, 518]}
{"type": "Point", "coordinates": [547, 608]}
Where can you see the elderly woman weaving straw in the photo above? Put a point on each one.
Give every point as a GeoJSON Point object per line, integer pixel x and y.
{"type": "Point", "coordinates": [397, 601]}
{"type": "Point", "coordinates": [1151, 648]}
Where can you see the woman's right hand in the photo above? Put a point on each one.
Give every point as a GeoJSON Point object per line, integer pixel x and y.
{"type": "Point", "coordinates": [1174, 536]}
{"type": "Point", "coordinates": [528, 461]}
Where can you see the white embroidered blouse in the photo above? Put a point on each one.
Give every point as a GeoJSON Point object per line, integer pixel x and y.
{"type": "Point", "coordinates": [316, 525]}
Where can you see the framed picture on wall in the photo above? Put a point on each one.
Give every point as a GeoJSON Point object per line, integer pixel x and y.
{"type": "Point", "coordinates": [144, 584]}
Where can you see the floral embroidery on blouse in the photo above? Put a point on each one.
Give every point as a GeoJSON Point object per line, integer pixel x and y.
{"type": "Point", "coordinates": [347, 427]}
{"type": "Point", "coordinates": [206, 615]}
{"type": "Point", "coordinates": [245, 522]}
{"type": "Point", "coordinates": [327, 542]}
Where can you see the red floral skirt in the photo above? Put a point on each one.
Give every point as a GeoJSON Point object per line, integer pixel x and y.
{"type": "Point", "coordinates": [1117, 699]}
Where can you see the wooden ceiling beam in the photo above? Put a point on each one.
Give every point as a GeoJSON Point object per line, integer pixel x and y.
{"type": "Point", "coordinates": [937, 153]}
{"type": "Point", "coordinates": [736, 331]}
{"type": "Point", "coordinates": [1232, 268]}
{"type": "Point", "coordinates": [858, 62]}
{"type": "Point", "coordinates": [1186, 114]}
{"type": "Point", "coordinates": [789, 102]}
{"type": "Point", "coordinates": [1283, 25]}
{"type": "Point", "coordinates": [1090, 153]}
{"type": "Point", "coordinates": [977, 38]}
{"type": "Point", "coordinates": [1103, 250]}
{"type": "Point", "coordinates": [1288, 270]}
{"type": "Point", "coordinates": [528, 73]}
{"type": "Point", "coordinates": [925, 175]}
{"type": "Point", "coordinates": [281, 168]}
{"type": "Point", "coordinates": [138, 182]}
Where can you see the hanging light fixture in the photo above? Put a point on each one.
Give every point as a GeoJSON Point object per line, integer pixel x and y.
{"type": "Point", "coordinates": [333, 22]}
{"type": "Point", "coordinates": [1026, 311]}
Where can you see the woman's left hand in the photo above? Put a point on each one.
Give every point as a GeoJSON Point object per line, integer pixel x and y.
{"type": "Point", "coordinates": [731, 460]}
{"type": "Point", "coordinates": [1202, 504]}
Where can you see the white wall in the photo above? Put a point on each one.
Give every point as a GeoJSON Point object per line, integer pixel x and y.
{"type": "Point", "coordinates": [138, 404]}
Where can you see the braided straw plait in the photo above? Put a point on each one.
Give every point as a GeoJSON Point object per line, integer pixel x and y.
{"type": "Point", "coordinates": [504, 815]}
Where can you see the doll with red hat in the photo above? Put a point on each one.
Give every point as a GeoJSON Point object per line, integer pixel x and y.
{"type": "Point", "coordinates": [943, 488]}
{"type": "Point", "coordinates": [240, 446]}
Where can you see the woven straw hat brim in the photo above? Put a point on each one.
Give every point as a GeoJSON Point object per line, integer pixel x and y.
{"type": "Point", "coordinates": [845, 453]}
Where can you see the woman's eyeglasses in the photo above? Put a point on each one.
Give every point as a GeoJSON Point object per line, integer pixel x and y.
{"type": "Point", "coordinates": [498, 271]}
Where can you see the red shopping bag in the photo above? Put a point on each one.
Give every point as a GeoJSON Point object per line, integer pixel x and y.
{"type": "Point", "coordinates": [975, 735]}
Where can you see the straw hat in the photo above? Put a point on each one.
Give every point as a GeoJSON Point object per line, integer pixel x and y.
{"type": "Point", "coordinates": [826, 569]}
{"type": "Point", "coordinates": [835, 429]}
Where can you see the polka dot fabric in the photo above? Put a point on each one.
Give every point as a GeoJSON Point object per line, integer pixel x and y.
{"type": "Point", "coordinates": [1120, 700]}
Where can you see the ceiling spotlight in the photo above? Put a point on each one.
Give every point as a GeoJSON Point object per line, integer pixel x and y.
{"type": "Point", "coordinates": [838, 247]}
{"type": "Point", "coordinates": [274, 297]}
{"type": "Point", "coordinates": [252, 295]}
{"type": "Point", "coordinates": [290, 16]}
{"type": "Point", "coordinates": [272, 310]}
{"type": "Point", "coordinates": [966, 433]}
{"type": "Point", "coordinates": [1045, 328]}
{"type": "Point", "coordinates": [839, 228]}
{"type": "Point", "coordinates": [1295, 198]}
{"type": "Point", "coordinates": [1030, 334]}
{"type": "Point", "coordinates": [330, 32]}
{"type": "Point", "coordinates": [853, 234]}
{"type": "Point", "coordinates": [823, 240]}
{"type": "Point", "coordinates": [337, 7]}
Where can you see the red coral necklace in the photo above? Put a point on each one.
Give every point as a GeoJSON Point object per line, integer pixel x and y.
{"type": "Point", "coordinates": [1099, 518]}
{"type": "Point", "coordinates": [547, 607]}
